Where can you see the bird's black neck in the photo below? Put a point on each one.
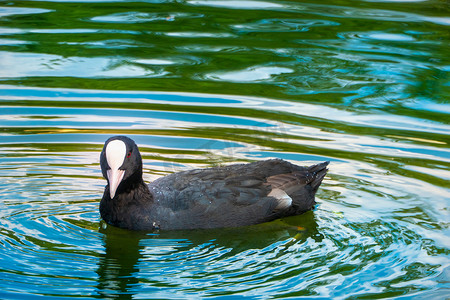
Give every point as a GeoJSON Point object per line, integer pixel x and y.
{"type": "Point", "coordinates": [128, 207]}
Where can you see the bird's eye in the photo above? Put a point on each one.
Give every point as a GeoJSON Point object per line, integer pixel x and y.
{"type": "Point", "coordinates": [128, 154]}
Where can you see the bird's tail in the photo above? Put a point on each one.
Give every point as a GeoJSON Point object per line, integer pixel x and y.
{"type": "Point", "coordinates": [318, 172]}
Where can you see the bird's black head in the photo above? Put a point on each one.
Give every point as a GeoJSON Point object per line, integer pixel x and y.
{"type": "Point", "coordinates": [121, 164]}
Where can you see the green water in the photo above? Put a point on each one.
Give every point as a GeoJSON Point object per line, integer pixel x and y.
{"type": "Point", "coordinates": [364, 84]}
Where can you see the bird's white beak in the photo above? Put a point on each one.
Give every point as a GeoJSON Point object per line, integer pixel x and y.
{"type": "Point", "coordinates": [114, 178]}
{"type": "Point", "coordinates": [115, 156]}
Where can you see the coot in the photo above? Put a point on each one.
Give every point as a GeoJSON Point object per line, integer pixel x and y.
{"type": "Point", "coordinates": [229, 196]}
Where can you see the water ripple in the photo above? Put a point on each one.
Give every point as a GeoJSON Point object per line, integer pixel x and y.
{"type": "Point", "coordinates": [256, 73]}
{"type": "Point", "coordinates": [282, 25]}
{"type": "Point", "coordinates": [141, 17]}
{"type": "Point", "coordinates": [34, 64]}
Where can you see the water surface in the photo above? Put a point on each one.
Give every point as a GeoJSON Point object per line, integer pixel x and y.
{"type": "Point", "coordinates": [363, 84]}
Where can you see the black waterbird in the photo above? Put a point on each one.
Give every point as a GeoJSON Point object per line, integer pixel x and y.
{"type": "Point", "coordinates": [228, 196]}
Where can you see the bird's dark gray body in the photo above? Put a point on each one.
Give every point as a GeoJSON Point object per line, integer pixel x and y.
{"type": "Point", "coordinates": [235, 195]}
{"type": "Point", "coordinates": [229, 196]}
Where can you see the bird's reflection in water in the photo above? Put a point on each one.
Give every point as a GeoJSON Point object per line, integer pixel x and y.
{"type": "Point", "coordinates": [126, 251]}
{"type": "Point", "coordinates": [118, 268]}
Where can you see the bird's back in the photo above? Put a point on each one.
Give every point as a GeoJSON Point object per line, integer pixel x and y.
{"type": "Point", "coordinates": [235, 195]}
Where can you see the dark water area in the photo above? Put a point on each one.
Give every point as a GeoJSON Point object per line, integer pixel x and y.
{"type": "Point", "coordinates": [363, 84]}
